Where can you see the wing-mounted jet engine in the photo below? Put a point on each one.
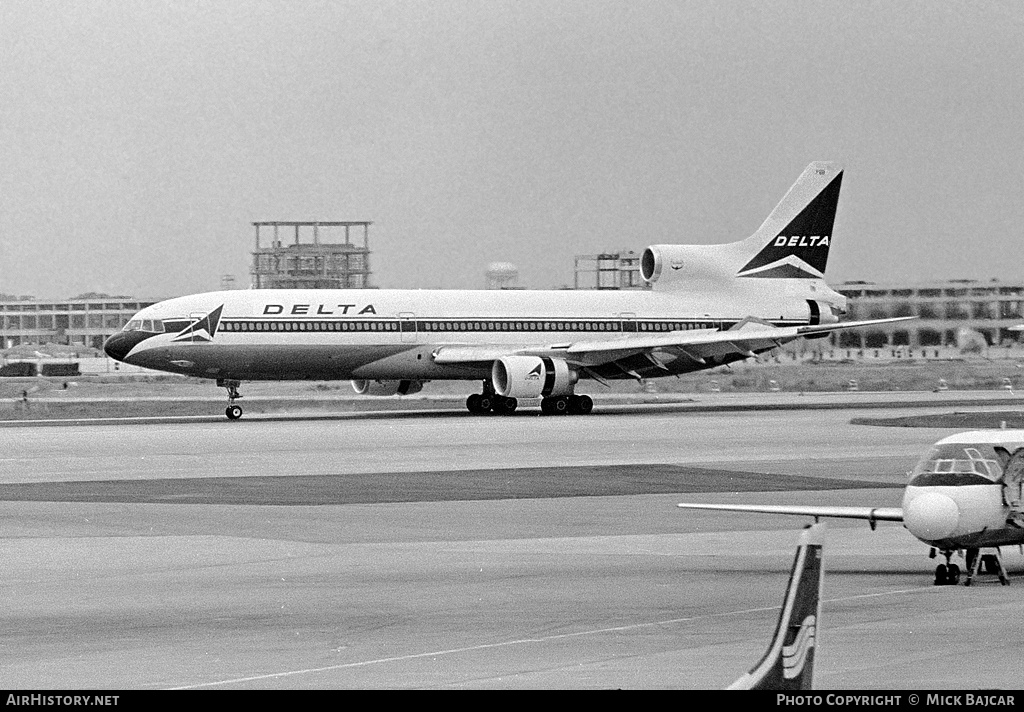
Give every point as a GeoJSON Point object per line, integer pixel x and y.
{"type": "Point", "coordinates": [550, 379]}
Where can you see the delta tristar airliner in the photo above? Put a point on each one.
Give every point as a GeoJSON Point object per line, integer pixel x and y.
{"type": "Point", "coordinates": [964, 497]}
{"type": "Point", "coordinates": [709, 305]}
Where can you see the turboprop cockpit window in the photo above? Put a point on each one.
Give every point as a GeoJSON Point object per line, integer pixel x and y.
{"type": "Point", "coordinates": [957, 464]}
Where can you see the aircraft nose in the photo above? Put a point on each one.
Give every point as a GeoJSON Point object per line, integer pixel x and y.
{"type": "Point", "coordinates": [118, 345]}
{"type": "Point", "coordinates": [931, 516]}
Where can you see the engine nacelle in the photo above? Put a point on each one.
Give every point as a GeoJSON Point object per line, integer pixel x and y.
{"type": "Point", "coordinates": [694, 265]}
{"type": "Point", "coordinates": [532, 377]}
{"type": "Point", "coordinates": [386, 388]}
{"type": "Point", "coordinates": [822, 313]}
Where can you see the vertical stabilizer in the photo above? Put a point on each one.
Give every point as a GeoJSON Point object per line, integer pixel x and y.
{"type": "Point", "coordinates": [789, 662]}
{"type": "Point", "coordinates": [793, 242]}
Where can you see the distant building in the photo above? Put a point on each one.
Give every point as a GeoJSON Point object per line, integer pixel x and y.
{"type": "Point", "coordinates": [334, 255]}
{"type": "Point", "coordinates": [609, 270]}
{"type": "Point", "coordinates": [84, 321]}
{"type": "Point", "coordinates": [943, 308]}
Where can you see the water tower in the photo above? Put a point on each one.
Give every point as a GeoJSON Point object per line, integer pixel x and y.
{"type": "Point", "coordinates": [502, 275]}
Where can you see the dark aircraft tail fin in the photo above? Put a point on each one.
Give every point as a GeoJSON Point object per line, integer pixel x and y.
{"type": "Point", "coordinates": [793, 242]}
{"type": "Point", "coordinates": [789, 662]}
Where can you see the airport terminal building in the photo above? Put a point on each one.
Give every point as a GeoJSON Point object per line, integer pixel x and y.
{"type": "Point", "coordinates": [943, 310]}
{"type": "Point", "coordinates": [85, 322]}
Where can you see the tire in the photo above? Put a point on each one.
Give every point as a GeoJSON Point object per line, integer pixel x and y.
{"type": "Point", "coordinates": [505, 406]}
{"type": "Point", "coordinates": [940, 575]}
{"type": "Point", "coordinates": [953, 575]}
{"type": "Point", "coordinates": [584, 405]}
{"type": "Point", "coordinates": [473, 404]}
{"type": "Point", "coordinates": [233, 412]}
{"type": "Point", "coordinates": [560, 405]}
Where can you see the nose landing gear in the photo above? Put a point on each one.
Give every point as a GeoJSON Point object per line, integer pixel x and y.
{"type": "Point", "coordinates": [233, 412]}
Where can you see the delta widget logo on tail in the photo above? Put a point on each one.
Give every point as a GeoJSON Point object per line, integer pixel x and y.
{"type": "Point", "coordinates": [800, 250]}
{"type": "Point", "coordinates": [203, 329]}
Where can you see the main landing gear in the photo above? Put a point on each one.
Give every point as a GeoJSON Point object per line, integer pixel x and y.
{"type": "Point", "coordinates": [991, 562]}
{"type": "Point", "coordinates": [491, 402]}
{"type": "Point", "coordinates": [567, 405]}
{"type": "Point", "coordinates": [233, 412]}
{"type": "Point", "coordinates": [481, 403]}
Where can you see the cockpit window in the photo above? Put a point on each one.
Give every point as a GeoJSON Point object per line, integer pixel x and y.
{"type": "Point", "coordinates": [154, 326]}
{"type": "Point", "coordinates": [959, 463]}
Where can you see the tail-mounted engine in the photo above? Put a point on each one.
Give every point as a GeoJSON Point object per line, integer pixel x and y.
{"type": "Point", "coordinates": [690, 265]}
{"type": "Point", "coordinates": [532, 377]}
{"type": "Point", "coordinates": [387, 388]}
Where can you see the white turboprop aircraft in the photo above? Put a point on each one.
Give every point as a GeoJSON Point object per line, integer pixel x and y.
{"type": "Point", "coordinates": [964, 496]}
{"type": "Point", "coordinates": [709, 305]}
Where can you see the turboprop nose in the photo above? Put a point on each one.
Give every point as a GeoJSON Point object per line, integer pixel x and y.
{"type": "Point", "coordinates": [931, 516]}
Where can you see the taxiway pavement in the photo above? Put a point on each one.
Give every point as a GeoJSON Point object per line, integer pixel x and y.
{"type": "Point", "coordinates": [446, 551]}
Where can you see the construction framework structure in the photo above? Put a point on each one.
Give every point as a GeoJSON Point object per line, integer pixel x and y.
{"type": "Point", "coordinates": [334, 255]}
{"type": "Point", "coordinates": [608, 270]}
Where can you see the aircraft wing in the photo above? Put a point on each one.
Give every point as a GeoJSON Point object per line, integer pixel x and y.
{"type": "Point", "coordinates": [747, 338]}
{"type": "Point", "coordinates": [871, 514]}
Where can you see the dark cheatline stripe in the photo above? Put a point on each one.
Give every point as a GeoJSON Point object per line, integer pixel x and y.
{"type": "Point", "coordinates": [519, 483]}
{"type": "Point", "coordinates": [461, 326]}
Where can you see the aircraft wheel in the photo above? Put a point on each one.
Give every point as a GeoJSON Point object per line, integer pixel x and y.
{"type": "Point", "coordinates": [583, 405]}
{"type": "Point", "coordinates": [953, 575]}
{"type": "Point", "coordinates": [486, 403]}
{"type": "Point", "coordinates": [559, 405]}
{"type": "Point", "coordinates": [504, 406]}
{"type": "Point", "coordinates": [940, 575]}
{"type": "Point", "coordinates": [233, 412]}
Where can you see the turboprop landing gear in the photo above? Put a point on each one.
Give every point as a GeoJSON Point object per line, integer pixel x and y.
{"type": "Point", "coordinates": [946, 574]}
{"type": "Point", "coordinates": [567, 405]}
{"type": "Point", "coordinates": [233, 412]}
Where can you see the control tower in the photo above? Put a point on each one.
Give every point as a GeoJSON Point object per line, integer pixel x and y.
{"type": "Point", "coordinates": [311, 255]}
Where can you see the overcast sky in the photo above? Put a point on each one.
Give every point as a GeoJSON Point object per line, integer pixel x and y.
{"type": "Point", "coordinates": [139, 139]}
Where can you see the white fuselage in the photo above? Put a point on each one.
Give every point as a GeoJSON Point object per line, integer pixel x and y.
{"type": "Point", "coordinates": [391, 334]}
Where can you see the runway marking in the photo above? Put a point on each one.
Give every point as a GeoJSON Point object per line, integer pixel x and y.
{"type": "Point", "coordinates": [526, 641]}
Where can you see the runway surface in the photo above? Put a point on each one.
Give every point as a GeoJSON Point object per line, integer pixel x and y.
{"type": "Point", "coordinates": [446, 551]}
